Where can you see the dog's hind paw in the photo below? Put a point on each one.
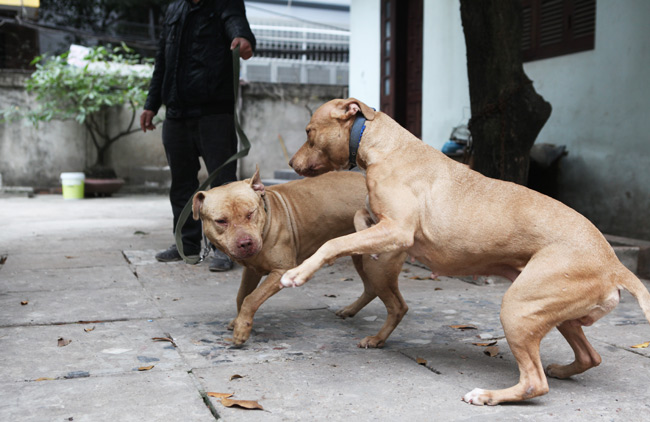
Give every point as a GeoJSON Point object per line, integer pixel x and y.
{"type": "Point", "coordinates": [477, 397]}
{"type": "Point", "coordinates": [345, 313]}
{"type": "Point", "coordinates": [371, 342]}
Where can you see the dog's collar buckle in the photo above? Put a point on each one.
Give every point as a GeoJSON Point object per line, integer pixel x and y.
{"type": "Point", "coordinates": [355, 138]}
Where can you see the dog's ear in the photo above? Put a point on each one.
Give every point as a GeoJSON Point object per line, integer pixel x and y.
{"type": "Point", "coordinates": [197, 203]}
{"type": "Point", "coordinates": [350, 107]}
{"type": "Point", "coordinates": [256, 182]}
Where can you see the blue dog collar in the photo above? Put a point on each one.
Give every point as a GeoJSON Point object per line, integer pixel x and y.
{"type": "Point", "coordinates": [355, 138]}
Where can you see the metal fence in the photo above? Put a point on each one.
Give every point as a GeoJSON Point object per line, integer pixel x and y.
{"type": "Point", "coordinates": [298, 53]}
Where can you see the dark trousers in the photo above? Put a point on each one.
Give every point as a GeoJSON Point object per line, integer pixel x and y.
{"type": "Point", "coordinates": [212, 137]}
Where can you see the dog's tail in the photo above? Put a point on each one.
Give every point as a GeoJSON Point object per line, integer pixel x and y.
{"type": "Point", "coordinates": [632, 284]}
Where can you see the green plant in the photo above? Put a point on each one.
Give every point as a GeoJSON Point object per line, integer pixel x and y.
{"type": "Point", "coordinates": [86, 91]}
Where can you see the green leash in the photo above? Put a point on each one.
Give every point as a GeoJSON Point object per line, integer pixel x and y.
{"type": "Point", "coordinates": [246, 146]}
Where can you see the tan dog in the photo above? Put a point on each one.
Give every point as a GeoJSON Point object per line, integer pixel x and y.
{"type": "Point", "coordinates": [459, 222]}
{"type": "Point", "coordinates": [271, 230]}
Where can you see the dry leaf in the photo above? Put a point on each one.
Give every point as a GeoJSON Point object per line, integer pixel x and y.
{"type": "Point", "coordinates": [492, 343]}
{"type": "Point", "coordinates": [44, 379]}
{"type": "Point", "coordinates": [63, 342]}
{"type": "Point", "coordinates": [491, 351]}
{"type": "Point", "coordinates": [24, 302]}
{"type": "Point", "coordinates": [347, 279]}
{"type": "Point", "coordinates": [642, 345]}
{"type": "Point", "coordinates": [417, 277]}
{"type": "Point", "coordinates": [246, 404]}
{"type": "Point", "coordinates": [168, 338]}
{"type": "Point", "coordinates": [329, 295]}
{"type": "Point", "coordinates": [89, 329]}
{"type": "Point", "coordinates": [236, 376]}
{"type": "Point", "coordinates": [219, 395]}
{"type": "Point", "coordinates": [438, 288]}
{"type": "Point", "coordinates": [421, 361]}
{"type": "Point", "coordinates": [145, 368]}
{"type": "Point", "coordinates": [464, 327]}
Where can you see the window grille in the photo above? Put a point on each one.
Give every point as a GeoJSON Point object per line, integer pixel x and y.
{"type": "Point", "coordinates": [298, 53]}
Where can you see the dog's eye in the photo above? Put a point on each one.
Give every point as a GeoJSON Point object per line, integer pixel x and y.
{"type": "Point", "coordinates": [221, 221]}
{"type": "Point", "coordinates": [250, 215]}
{"type": "Point", "coordinates": [307, 130]}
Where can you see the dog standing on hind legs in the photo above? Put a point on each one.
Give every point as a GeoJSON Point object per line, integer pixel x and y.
{"type": "Point", "coordinates": [459, 222]}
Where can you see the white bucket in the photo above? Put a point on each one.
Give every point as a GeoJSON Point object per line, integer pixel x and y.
{"type": "Point", "coordinates": [73, 185]}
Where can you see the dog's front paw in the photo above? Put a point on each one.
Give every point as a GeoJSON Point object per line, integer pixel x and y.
{"type": "Point", "coordinates": [478, 397]}
{"type": "Point", "coordinates": [242, 331]}
{"type": "Point", "coordinates": [292, 278]}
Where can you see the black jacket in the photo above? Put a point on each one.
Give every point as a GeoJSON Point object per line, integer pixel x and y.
{"type": "Point", "coordinates": [193, 69]}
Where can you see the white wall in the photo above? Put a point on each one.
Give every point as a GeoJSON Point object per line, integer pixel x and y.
{"type": "Point", "coordinates": [365, 51]}
{"type": "Point", "coordinates": [601, 106]}
{"type": "Point", "coordinates": [600, 99]}
{"type": "Point", "coordinates": [445, 92]}
{"type": "Point", "coordinates": [445, 100]}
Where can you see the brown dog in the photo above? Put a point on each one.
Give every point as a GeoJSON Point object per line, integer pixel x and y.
{"type": "Point", "coordinates": [271, 230]}
{"type": "Point", "coordinates": [459, 222]}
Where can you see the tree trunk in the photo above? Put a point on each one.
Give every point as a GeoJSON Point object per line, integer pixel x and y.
{"type": "Point", "coordinates": [507, 113]}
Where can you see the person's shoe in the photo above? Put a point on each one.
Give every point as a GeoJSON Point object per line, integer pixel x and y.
{"type": "Point", "coordinates": [171, 254]}
{"type": "Point", "coordinates": [220, 261]}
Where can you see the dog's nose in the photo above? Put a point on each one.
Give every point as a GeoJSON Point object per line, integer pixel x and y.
{"type": "Point", "coordinates": [245, 243]}
{"type": "Point", "coordinates": [291, 162]}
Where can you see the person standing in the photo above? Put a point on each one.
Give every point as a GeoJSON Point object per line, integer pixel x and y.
{"type": "Point", "coordinates": [193, 78]}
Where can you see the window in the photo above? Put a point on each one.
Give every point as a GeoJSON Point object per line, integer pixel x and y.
{"type": "Point", "coordinates": [556, 27]}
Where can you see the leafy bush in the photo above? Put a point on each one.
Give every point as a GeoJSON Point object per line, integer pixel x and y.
{"type": "Point", "coordinates": [68, 87]}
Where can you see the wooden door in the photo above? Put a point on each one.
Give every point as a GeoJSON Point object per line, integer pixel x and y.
{"type": "Point", "coordinates": [401, 62]}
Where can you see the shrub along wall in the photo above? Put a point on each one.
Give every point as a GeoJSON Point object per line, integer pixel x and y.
{"type": "Point", "coordinates": [274, 117]}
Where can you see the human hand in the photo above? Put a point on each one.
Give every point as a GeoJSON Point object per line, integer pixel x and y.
{"type": "Point", "coordinates": [245, 48]}
{"type": "Point", "coordinates": [146, 120]}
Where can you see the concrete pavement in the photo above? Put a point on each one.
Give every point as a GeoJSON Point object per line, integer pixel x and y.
{"type": "Point", "coordinates": [84, 271]}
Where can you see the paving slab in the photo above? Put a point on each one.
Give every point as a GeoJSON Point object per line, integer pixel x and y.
{"type": "Point", "coordinates": [58, 279]}
{"type": "Point", "coordinates": [96, 348]}
{"type": "Point", "coordinates": [379, 385]}
{"type": "Point", "coordinates": [68, 306]}
{"type": "Point", "coordinates": [48, 222]}
{"type": "Point", "coordinates": [137, 397]}
{"type": "Point", "coordinates": [63, 259]}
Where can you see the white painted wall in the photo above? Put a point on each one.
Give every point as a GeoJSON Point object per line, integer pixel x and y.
{"type": "Point", "coordinates": [365, 51]}
{"type": "Point", "coordinates": [600, 99]}
{"type": "Point", "coordinates": [601, 107]}
{"type": "Point", "coordinates": [445, 92]}
{"type": "Point", "coordinates": [445, 100]}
